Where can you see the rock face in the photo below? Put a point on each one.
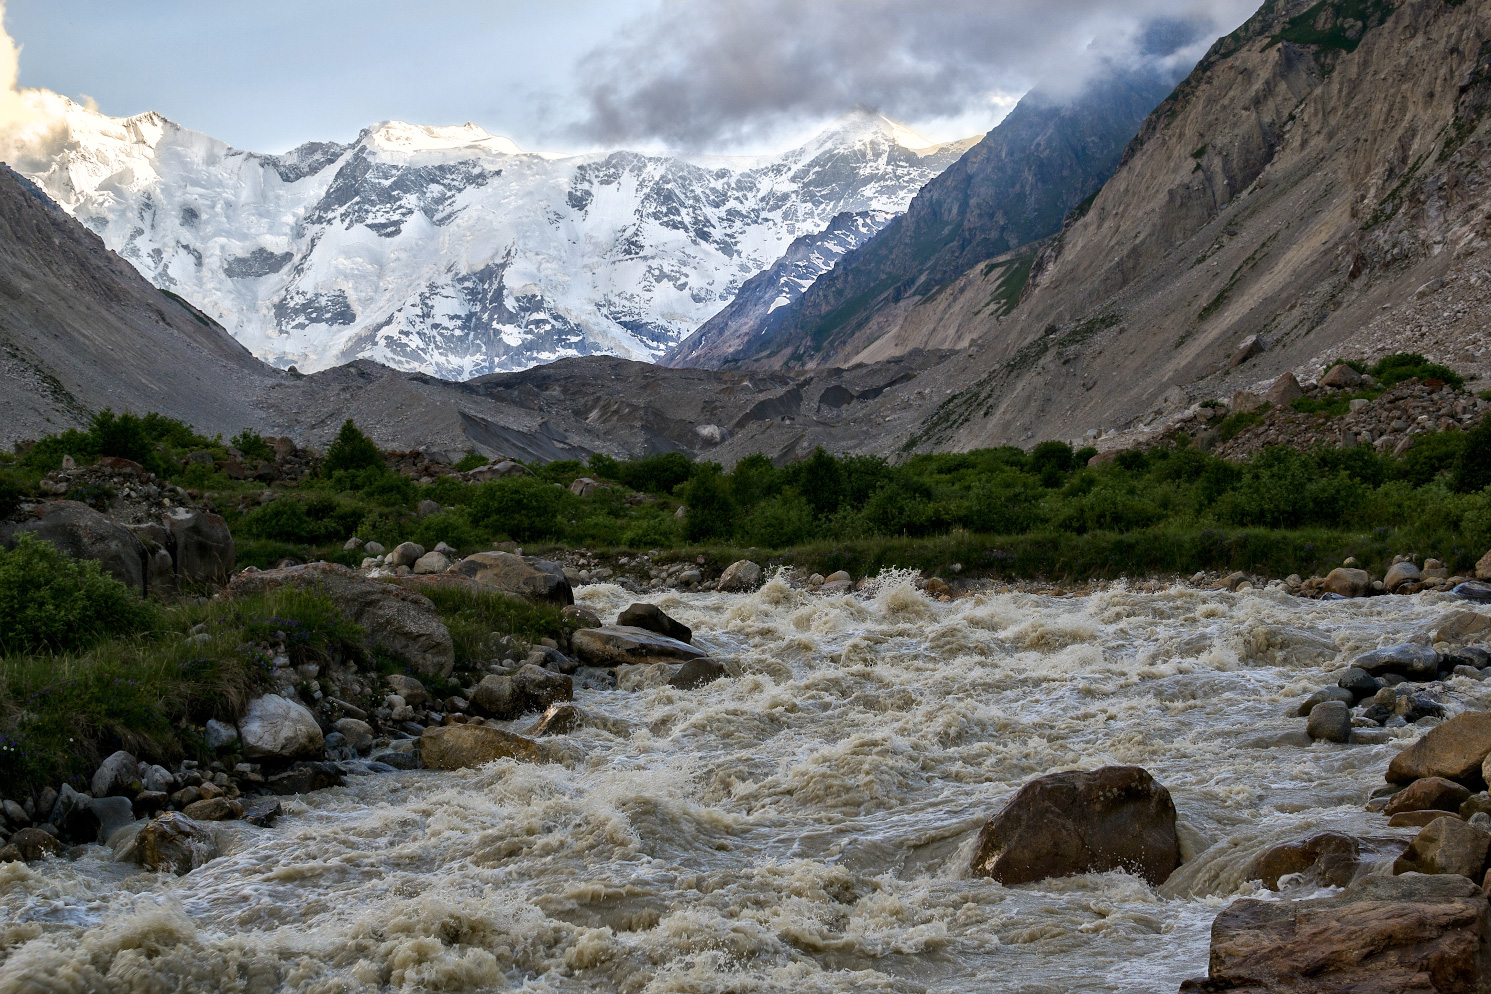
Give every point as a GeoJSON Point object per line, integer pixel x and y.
{"type": "Point", "coordinates": [277, 728]}
{"type": "Point", "coordinates": [1348, 582]}
{"type": "Point", "coordinates": [1447, 845]}
{"type": "Point", "coordinates": [171, 842]}
{"type": "Point", "coordinates": [1454, 750]}
{"type": "Point", "coordinates": [1384, 935]}
{"type": "Point", "coordinates": [1114, 818]}
{"type": "Point", "coordinates": [652, 618]}
{"type": "Point", "coordinates": [83, 533]}
{"type": "Point", "coordinates": [618, 645]}
{"type": "Point", "coordinates": [521, 576]}
{"type": "Point", "coordinates": [451, 747]}
{"type": "Point", "coordinates": [399, 621]}
{"type": "Point", "coordinates": [741, 576]}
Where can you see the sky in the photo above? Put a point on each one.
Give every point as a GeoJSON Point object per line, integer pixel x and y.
{"type": "Point", "coordinates": [572, 75]}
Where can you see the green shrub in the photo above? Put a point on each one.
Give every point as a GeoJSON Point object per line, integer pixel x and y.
{"type": "Point", "coordinates": [50, 602]}
{"type": "Point", "coordinates": [650, 529]}
{"type": "Point", "coordinates": [711, 510]}
{"type": "Point", "coordinates": [351, 449]}
{"type": "Point", "coordinates": [651, 474]}
{"type": "Point", "coordinates": [1434, 454]}
{"type": "Point", "coordinates": [1401, 366]}
{"type": "Point", "coordinates": [1473, 461]}
{"type": "Point", "coordinates": [314, 521]}
{"type": "Point", "coordinates": [252, 445]}
{"type": "Point", "coordinates": [470, 461]}
{"type": "Point", "coordinates": [786, 519]}
{"type": "Point", "coordinates": [11, 496]}
{"type": "Point", "coordinates": [522, 508]}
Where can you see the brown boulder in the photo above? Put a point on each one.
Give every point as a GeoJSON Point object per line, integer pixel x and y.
{"type": "Point", "coordinates": [531, 688]}
{"type": "Point", "coordinates": [1383, 935]}
{"type": "Point", "coordinates": [1114, 818]}
{"type": "Point", "coordinates": [559, 719]}
{"type": "Point", "coordinates": [1330, 858]}
{"type": "Point", "coordinates": [452, 747]}
{"type": "Point", "coordinates": [1453, 750]}
{"type": "Point", "coordinates": [1483, 567]}
{"type": "Point", "coordinates": [172, 842]}
{"type": "Point", "coordinates": [1417, 819]}
{"type": "Point", "coordinates": [399, 621]}
{"type": "Point", "coordinates": [214, 809]}
{"type": "Point", "coordinates": [1462, 627]}
{"type": "Point", "coordinates": [617, 645]}
{"type": "Point", "coordinates": [698, 672]}
{"type": "Point", "coordinates": [1341, 377]}
{"type": "Point", "coordinates": [1348, 582]}
{"type": "Point", "coordinates": [1447, 845]}
{"type": "Point", "coordinates": [520, 576]}
{"type": "Point", "coordinates": [1428, 794]}
{"type": "Point", "coordinates": [29, 845]}
{"type": "Point", "coordinates": [1285, 390]}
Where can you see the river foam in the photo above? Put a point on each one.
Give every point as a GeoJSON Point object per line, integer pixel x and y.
{"type": "Point", "coordinates": [803, 827]}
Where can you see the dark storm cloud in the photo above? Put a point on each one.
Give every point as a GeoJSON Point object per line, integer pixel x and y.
{"type": "Point", "coordinates": [697, 72]}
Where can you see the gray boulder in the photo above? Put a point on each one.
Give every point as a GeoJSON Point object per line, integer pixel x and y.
{"type": "Point", "coordinates": [277, 728]}
{"type": "Point", "coordinates": [1323, 695]}
{"type": "Point", "coordinates": [697, 673]}
{"type": "Point", "coordinates": [116, 776]}
{"type": "Point", "coordinates": [358, 733]}
{"type": "Point", "coordinates": [617, 645]}
{"type": "Point", "coordinates": [405, 554]}
{"type": "Point", "coordinates": [81, 532]}
{"type": "Point", "coordinates": [431, 562]}
{"type": "Point", "coordinates": [741, 576]}
{"type": "Point", "coordinates": [204, 550]}
{"type": "Point", "coordinates": [219, 734]}
{"type": "Point", "coordinates": [653, 619]}
{"type": "Point", "coordinates": [520, 576]}
{"type": "Point", "coordinates": [399, 621]}
{"type": "Point", "coordinates": [1330, 721]}
{"type": "Point", "coordinates": [529, 689]}
{"type": "Point", "coordinates": [1412, 662]}
{"type": "Point", "coordinates": [113, 814]}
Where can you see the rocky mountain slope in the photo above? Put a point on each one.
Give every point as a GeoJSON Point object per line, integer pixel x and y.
{"type": "Point", "coordinates": [1318, 181]}
{"type": "Point", "coordinates": [81, 330]}
{"type": "Point", "coordinates": [448, 250]}
{"type": "Point", "coordinates": [1011, 189]}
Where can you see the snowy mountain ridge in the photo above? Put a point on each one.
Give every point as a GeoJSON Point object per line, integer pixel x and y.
{"type": "Point", "coordinates": [451, 251]}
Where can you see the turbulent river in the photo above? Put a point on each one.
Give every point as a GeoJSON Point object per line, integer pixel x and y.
{"type": "Point", "coordinates": [805, 827]}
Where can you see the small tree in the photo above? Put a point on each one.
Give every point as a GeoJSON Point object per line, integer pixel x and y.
{"type": "Point", "coordinates": [1473, 464]}
{"type": "Point", "coordinates": [711, 510]}
{"type": "Point", "coordinates": [50, 602]}
{"type": "Point", "coordinates": [351, 450]}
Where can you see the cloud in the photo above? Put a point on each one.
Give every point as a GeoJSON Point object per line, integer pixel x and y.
{"type": "Point", "coordinates": [698, 72]}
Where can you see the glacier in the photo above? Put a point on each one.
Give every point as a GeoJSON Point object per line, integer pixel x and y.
{"type": "Point", "coordinates": [450, 251]}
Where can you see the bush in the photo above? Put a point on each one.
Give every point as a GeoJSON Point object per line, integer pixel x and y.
{"type": "Point", "coordinates": [1406, 365]}
{"type": "Point", "coordinates": [711, 511]}
{"type": "Point", "coordinates": [316, 521]}
{"type": "Point", "coordinates": [50, 602]}
{"type": "Point", "coordinates": [651, 474]}
{"type": "Point", "coordinates": [1472, 463]}
{"type": "Point", "coordinates": [786, 519]}
{"type": "Point", "coordinates": [523, 508]}
{"type": "Point", "coordinates": [252, 445]}
{"type": "Point", "coordinates": [470, 461]}
{"type": "Point", "coordinates": [351, 449]}
{"type": "Point", "coordinates": [11, 495]}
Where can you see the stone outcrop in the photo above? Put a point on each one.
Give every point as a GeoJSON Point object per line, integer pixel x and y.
{"type": "Point", "coordinates": [274, 727]}
{"type": "Point", "coordinates": [1454, 750]}
{"type": "Point", "coordinates": [521, 576]}
{"type": "Point", "coordinates": [452, 747]}
{"type": "Point", "coordinates": [1384, 935]}
{"type": "Point", "coordinates": [618, 645]}
{"type": "Point", "coordinates": [1114, 818]}
{"type": "Point", "coordinates": [399, 621]}
{"type": "Point", "coordinates": [81, 532]}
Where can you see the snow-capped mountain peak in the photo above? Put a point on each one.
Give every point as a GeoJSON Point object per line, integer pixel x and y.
{"type": "Point", "coordinates": [401, 137]}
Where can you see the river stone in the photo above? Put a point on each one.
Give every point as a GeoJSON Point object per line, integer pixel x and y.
{"type": "Point", "coordinates": [520, 576]}
{"type": "Point", "coordinates": [1399, 574]}
{"type": "Point", "coordinates": [1382, 935]}
{"type": "Point", "coordinates": [1330, 858]}
{"type": "Point", "coordinates": [213, 809]}
{"type": "Point", "coordinates": [411, 690]}
{"type": "Point", "coordinates": [1453, 750]}
{"type": "Point", "coordinates": [1321, 696]}
{"type": "Point", "coordinates": [1428, 794]}
{"type": "Point", "coordinates": [1348, 582]}
{"type": "Point", "coordinates": [1473, 590]}
{"type": "Point", "coordinates": [29, 845]}
{"type": "Point", "coordinates": [113, 814]}
{"type": "Point", "coordinates": [559, 719]}
{"type": "Point", "coordinates": [579, 616]}
{"type": "Point", "coordinates": [204, 550]}
{"type": "Point", "coordinates": [617, 645]}
{"type": "Point", "coordinates": [399, 621]}
{"type": "Point", "coordinates": [302, 778]}
{"type": "Point", "coordinates": [1114, 818]}
{"type": "Point", "coordinates": [531, 688]}
{"type": "Point", "coordinates": [1330, 721]}
{"type": "Point", "coordinates": [405, 554]}
{"type": "Point", "coordinates": [171, 842]}
{"type": "Point", "coordinates": [117, 776]}
{"type": "Point", "coordinates": [274, 727]}
{"type": "Point", "coordinates": [1447, 845]}
{"type": "Point", "coordinates": [1361, 683]}
{"type": "Point", "coordinates": [1413, 662]}
{"type": "Point", "coordinates": [359, 733]}
{"type": "Point", "coordinates": [452, 747]}
{"type": "Point", "coordinates": [218, 734]}
{"type": "Point", "coordinates": [740, 576]}
{"type": "Point", "coordinates": [81, 532]}
{"type": "Point", "coordinates": [697, 673]}
{"type": "Point", "coordinates": [73, 816]}
{"type": "Point", "coordinates": [652, 618]}
{"type": "Point", "coordinates": [1461, 627]}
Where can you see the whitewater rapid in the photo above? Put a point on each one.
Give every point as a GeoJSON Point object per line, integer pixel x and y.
{"type": "Point", "coordinates": [802, 828]}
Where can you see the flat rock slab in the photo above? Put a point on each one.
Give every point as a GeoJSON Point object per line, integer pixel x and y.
{"type": "Point", "coordinates": [454, 747]}
{"type": "Point", "coordinates": [619, 645]}
{"type": "Point", "coordinates": [1454, 750]}
{"type": "Point", "coordinates": [1114, 818]}
{"type": "Point", "coordinates": [1383, 935]}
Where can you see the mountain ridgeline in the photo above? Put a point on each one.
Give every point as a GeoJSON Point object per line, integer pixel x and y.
{"type": "Point", "coordinates": [1010, 190]}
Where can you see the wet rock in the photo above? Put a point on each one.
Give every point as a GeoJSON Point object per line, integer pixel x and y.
{"type": "Point", "coordinates": [1428, 794]}
{"type": "Point", "coordinates": [1447, 845]}
{"type": "Point", "coordinates": [740, 576]}
{"type": "Point", "coordinates": [595, 678]}
{"type": "Point", "coordinates": [1328, 859]}
{"type": "Point", "coordinates": [262, 811]}
{"type": "Point", "coordinates": [302, 778]}
{"type": "Point", "coordinates": [520, 576]}
{"type": "Point", "coordinates": [1418, 819]}
{"type": "Point", "coordinates": [1383, 935]}
{"type": "Point", "coordinates": [1330, 721]}
{"type": "Point", "coordinates": [1472, 655]}
{"type": "Point", "coordinates": [149, 803]}
{"type": "Point", "coordinates": [399, 621]}
{"type": "Point", "coordinates": [116, 776]}
{"type": "Point", "coordinates": [1114, 818]}
{"type": "Point", "coordinates": [113, 814]}
{"type": "Point", "coordinates": [559, 719]}
{"type": "Point", "coordinates": [1415, 707]}
{"type": "Point", "coordinates": [1321, 696]}
{"type": "Point", "coordinates": [172, 842]}
{"type": "Point", "coordinates": [274, 727]}
{"type": "Point", "coordinates": [214, 809]}
{"type": "Point", "coordinates": [1412, 662]}
{"type": "Point", "coordinates": [452, 747]}
{"type": "Point", "coordinates": [617, 645]}
{"type": "Point", "coordinates": [73, 816]}
{"type": "Point", "coordinates": [219, 735]}
{"type": "Point", "coordinates": [411, 690]}
{"type": "Point", "coordinates": [29, 845]}
{"type": "Point", "coordinates": [653, 619]}
{"type": "Point", "coordinates": [1473, 590]}
{"type": "Point", "coordinates": [697, 673]}
{"type": "Point", "coordinates": [359, 734]}
{"type": "Point", "coordinates": [531, 688]}
{"type": "Point", "coordinates": [1347, 582]}
{"type": "Point", "coordinates": [1454, 750]}
{"type": "Point", "coordinates": [580, 617]}
{"type": "Point", "coordinates": [1460, 627]}
{"type": "Point", "coordinates": [1361, 683]}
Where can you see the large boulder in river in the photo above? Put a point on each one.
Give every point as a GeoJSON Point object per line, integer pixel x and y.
{"type": "Point", "coordinates": [452, 747]}
{"type": "Point", "coordinates": [275, 727]}
{"type": "Point", "coordinates": [1330, 858]}
{"type": "Point", "coordinates": [652, 618]}
{"type": "Point", "coordinates": [1411, 662]}
{"type": "Point", "coordinates": [1348, 582]}
{"type": "Point", "coordinates": [1447, 845]}
{"type": "Point", "coordinates": [1383, 935]}
{"type": "Point", "coordinates": [81, 532]}
{"type": "Point", "coordinates": [521, 576]}
{"type": "Point", "coordinates": [619, 645]}
{"type": "Point", "coordinates": [742, 575]}
{"type": "Point", "coordinates": [1461, 627]}
{"type": "Point", "coordinates": [172, 842]}
{"type": "Point", "coordinates": [399, 621]}
{"type": "Point", "coordinates": [531, 688]}
{"type": "Point", "coordinates": [1454, 750]}
{"type": "Point", "coordinates": [1113, 818]}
